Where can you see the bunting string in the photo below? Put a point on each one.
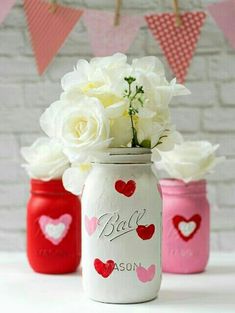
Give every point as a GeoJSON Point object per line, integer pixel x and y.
{"type": "Point", "coordinates": [50, 23]}
{"type": "Point", "coordinates": [53, 6]}
{"type": "Point", "coordinates": [177, 12]}
{"type": "Point", "coordinates": [117, 12]}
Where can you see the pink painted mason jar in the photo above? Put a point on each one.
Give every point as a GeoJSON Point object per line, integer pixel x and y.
{"type": "Point", "coordinates": [186, 226]}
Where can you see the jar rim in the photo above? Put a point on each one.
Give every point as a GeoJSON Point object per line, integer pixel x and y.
{"type": "Point", "coordinates": [53, 186]}
{"type": "Point", "coordinates": [123, 156]}
{"type": "Point", "coordinates": [175, 182]}
{"type": "Point", "coordinates": [128, 150]}
{"type": "Point", "coordinates": [173, 186]}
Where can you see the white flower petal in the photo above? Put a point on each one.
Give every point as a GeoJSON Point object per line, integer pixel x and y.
{"type": "Point", "coordinates": [149, 64]}
{"type": "Point", "coordinates": [190, 160]}
{"type": "Point", "coordinates": [81, 127]}
{"type": "Point", "coordinates": [79, 76]}
{"type": "Point", "coordinates": [178, 89]}
{"type": "Point", "coordinates": [116, 110]}
{"type": "Point", "coordinates": [74, 178]}
{"type": "Point", "coordinates": [114, 60]}
{"type": "Point", "coordinates": [48, 118]}
{"type": "Point", "coordinates": [121, 132]}
{"type": "Point", "coordinates": [146, 113]}
{"type": "Point", "coordinates": [45, 159]}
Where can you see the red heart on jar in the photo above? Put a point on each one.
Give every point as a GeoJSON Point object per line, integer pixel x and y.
{"type": "Point", "coordinates": [127, 189]}
{"type": "Point", "coordinates": [145, 232]}
{"type": "Point", "coordinates": [104, 269]}
{"type": "Point", "coordinates": [187, 227]}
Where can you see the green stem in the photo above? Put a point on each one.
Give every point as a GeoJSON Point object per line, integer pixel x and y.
{"type": "Point", "coordinates": [132, 111]}
{"type": "Point", "coordinates": [133, 142]}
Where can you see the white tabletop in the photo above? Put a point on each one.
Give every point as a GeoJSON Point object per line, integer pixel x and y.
{"type": "Point", "coordinates": [21, 290]}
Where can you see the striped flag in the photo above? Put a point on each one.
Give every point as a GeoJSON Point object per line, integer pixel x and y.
{"type": "Point", "coordinates": [48, 30]}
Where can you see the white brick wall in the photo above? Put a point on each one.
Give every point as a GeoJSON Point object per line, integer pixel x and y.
{"type": "Point", "coordinates": [209, 113]}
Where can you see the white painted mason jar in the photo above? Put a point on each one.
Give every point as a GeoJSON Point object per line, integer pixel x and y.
{"type": "Point", "coordinates": [121, 228]}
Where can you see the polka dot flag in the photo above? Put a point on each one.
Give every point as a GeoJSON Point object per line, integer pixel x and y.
{"type": "Point", "coordinates": [177, 42]}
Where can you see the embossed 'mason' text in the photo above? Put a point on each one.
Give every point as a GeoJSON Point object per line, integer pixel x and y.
{"type": "Point", "coordinates": [126, 266]}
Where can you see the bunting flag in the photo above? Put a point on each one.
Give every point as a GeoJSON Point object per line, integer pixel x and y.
{"type": "Point", "coordinates": [48, 30]}
{"type": "Point", "coordinates": [5, 7]}
{"type": "Point", "coordinates": [177, 42]}
{"type": "Point", "coordinates": [224, 15]}
{"type": "Point", "coordinates": [105, 38]}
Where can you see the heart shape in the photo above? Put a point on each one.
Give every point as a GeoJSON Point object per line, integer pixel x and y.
{"type": "Point", "coordinates": [145, 232]}
{"type": "Point", "coordinates": [145, 274]}
{"type": "Point", "coordinates": [91, 224]}
{"type": "Point", "coordinates": [187, 227]}
{"type": "Point", "coordinates": [127, 189]}
{"type": "Point", "coordinates": [104, 269]}
{"type": "Point", "coordinates": [55, 229]}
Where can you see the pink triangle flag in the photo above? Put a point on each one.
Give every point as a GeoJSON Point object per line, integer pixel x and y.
{"type": "Point", "coordinates": [105, 38]}
{"type": "Point", "coordinates": [177, 42]}
{"type": "Point", "coordinates": [224, 16]}
{"type": "Point", "coordinates": [48, 30]}
{"type": "Point", "coordinates": [5, 7]}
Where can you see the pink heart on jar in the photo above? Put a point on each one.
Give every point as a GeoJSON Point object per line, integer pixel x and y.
{"type": "Point", "coordinates": [145, 274]}
{"type": "Point", "coordinates": [91, 224]}
{"type": "Point", "coordinates": [55, 229]}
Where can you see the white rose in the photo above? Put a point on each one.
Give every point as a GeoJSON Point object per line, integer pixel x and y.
{"type": "Point", "coordinates": [94, 74]}
{"type": "Point", "coordinates": [82, 127]}
{"type": "Point", "coordinates": [45, 159]}
{"type": "Point", "coordinates": [98, 78]}
{"type": "Point", "coordinates": [190, 160]}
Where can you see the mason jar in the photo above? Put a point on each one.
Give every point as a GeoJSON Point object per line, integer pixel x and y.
{"type": "Point", "coordinates": [121, 228]}
{"type": "Point", "coordinates": [186, 226]}
{"type": "Point", "coordinates": [53, 228]}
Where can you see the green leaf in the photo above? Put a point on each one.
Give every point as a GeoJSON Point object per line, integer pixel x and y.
{"type": "Point", "coordinates": [146, 143]}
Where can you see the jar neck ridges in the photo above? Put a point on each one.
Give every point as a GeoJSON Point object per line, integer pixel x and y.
{"type": "Point", "coordinates": [51, 187]}
{"type": "Point", "coordinates": [179, 187]}
{"type": "Point", "coordinates": [123, 156]}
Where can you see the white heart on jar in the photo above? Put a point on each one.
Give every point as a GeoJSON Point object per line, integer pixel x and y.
{"type": "Point", "coordinates": [187, 228]}
{"type": "Point", "coordinates": [55, 231]}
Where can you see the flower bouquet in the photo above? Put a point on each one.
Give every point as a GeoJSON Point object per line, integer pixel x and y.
{"type": "Point", "coordinates": [113, 117]}
{"type": "Point", "coordinates": [108, 103]}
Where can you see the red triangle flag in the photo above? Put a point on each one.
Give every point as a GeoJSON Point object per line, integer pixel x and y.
{"type": "Point", "coordinates": [48, 30]}
{"type": "Point", "coordinates": [106, 38]}
{"type": "Point", "coordinates": [177, 42]}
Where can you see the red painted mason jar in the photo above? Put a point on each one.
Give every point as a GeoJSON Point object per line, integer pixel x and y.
{"type": "Point", "coordinates": [186, 226]}
{"type": "Point", "coordinates": [53, 228]}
